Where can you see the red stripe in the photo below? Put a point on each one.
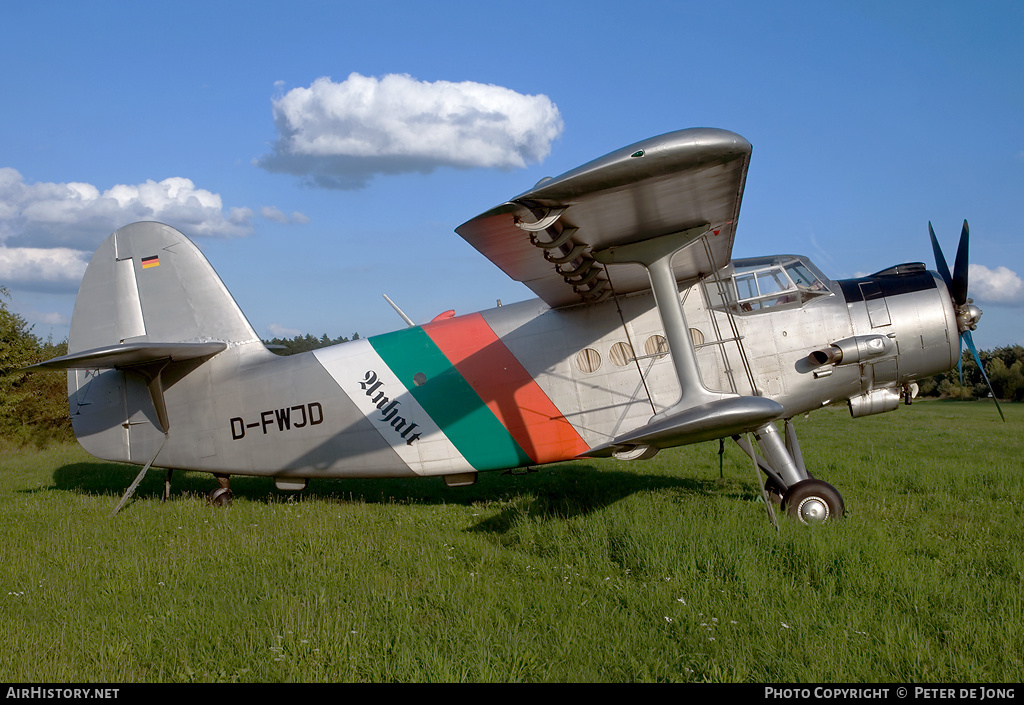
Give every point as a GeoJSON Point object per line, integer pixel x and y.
{"type": "Point", "coordinates": [507, 388]}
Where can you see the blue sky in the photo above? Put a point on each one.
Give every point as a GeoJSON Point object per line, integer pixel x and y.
{"type": "Point", "coordinates": [868, 119]}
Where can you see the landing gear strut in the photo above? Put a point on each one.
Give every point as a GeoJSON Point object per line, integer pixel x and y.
{"type": "Point", "coordinates": [806, 499]}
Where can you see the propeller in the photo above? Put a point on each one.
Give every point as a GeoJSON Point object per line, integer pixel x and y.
{"type": "Point", "coordinates": [967, 314]}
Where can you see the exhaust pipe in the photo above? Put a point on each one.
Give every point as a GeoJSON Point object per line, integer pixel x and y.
{"type": "Point", "coordinates": [852, 350]}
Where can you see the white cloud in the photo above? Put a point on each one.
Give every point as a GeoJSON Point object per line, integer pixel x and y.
{"type": "Point", "coordinates": [278, 216]}
{"type": "Point", "coordinates": [49, 319]}
{"type": "Point", "coordinates": [48, 231]}
{"type": "Point", "coordinates": [1000, 285]}
{"type": "Point", "coordinates": [78, 214]}
{"type": "Point", "coordinates": [43, 269]}
{"type": "Point", "coordinates": [274, 214]}
{"type": "Point", "coordinates": [279, 331]}
{"type": "Point", "coordinates": [338, 135]}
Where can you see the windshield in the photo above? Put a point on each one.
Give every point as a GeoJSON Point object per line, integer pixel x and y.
{"type": "Point", "coordinates": [756, 284]}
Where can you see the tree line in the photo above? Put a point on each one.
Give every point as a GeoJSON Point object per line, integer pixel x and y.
{"type": "Point", "coordinates": [34, 406]}
{"type": "Point", "coordinates": [1004, 367]}
{"type": "Point", "coordinates": [304, 343]}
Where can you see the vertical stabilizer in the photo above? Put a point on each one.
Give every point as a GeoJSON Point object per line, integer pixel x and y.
{"type": "Point", "coordinates": [148, 282]}
{"type": "Point", "coordinates": [150, 313]}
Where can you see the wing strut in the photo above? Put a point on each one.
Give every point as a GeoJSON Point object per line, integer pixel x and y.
{"type": "Point", "coordinates": [699, 414]}
{"type": "Point", "coordinates": [656, 256]}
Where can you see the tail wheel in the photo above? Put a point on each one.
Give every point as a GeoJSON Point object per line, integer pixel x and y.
{"type": "Point", "coordinates": [813, 502]}
{"type": "Point", "coordinates": [220, 497]}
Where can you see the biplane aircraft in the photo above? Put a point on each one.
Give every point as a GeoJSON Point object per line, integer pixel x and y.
{"type": "Point", "coordinates": [646, 335]}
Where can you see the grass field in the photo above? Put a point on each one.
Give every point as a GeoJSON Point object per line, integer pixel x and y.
{"type": "Point", "coordinates": [657, 570]}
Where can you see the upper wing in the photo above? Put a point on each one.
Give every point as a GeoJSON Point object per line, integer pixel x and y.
{"type": "Point", "coordinates": [675, 182]}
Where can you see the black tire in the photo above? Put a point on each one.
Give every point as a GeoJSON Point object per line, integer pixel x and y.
{"type": "Point", "coordinates": [813, 502]}
{"type": "Point", "coordinates": [220, 497]}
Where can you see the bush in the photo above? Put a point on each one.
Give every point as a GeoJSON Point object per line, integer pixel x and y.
{"type": "Point", "coordinates": [33, 405]}
{"type": "Point", "coordinates": [1004, 367]}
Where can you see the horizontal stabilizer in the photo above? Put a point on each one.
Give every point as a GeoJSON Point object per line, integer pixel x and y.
{"type": "Point", "coordinates": [130, 354]}
{"type": "Point", "coordinates": [716, 419]}
{"type": "Point", "coordinates": [146, 360]}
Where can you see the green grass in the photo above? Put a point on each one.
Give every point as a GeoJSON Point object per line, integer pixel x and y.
{"type": "Point", "coordinates": [656, 570]}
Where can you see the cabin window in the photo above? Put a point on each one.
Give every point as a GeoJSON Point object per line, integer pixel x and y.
{"type": "Point", "coordinates": [621, 354]}
{"type": "Point", "coordinates": [588, 360]}
{"type": "Point", "coordinates": [657, 346]}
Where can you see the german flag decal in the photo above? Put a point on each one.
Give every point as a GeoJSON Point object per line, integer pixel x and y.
{"type": "Point", "coordinates": [148, 262]}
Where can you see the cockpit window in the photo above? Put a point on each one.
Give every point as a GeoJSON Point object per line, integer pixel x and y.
{"type": "Point", "coordinates": [756, 284]}
{"type": "Point", "coordinates": [803, 277]}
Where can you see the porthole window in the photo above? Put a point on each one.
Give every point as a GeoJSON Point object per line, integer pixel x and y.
{"type": "Point", "coordinates": [621, 354]}
{"type": "Point", "coordinates": [696, 336]}
{"type": "Point", "coordinates": [656, 346]}
{"type": "Point", "coordinates": [588, 360]}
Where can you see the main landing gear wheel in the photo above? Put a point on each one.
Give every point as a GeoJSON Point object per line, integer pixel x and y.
{"type": "Point", "coordinates": [813, 502]}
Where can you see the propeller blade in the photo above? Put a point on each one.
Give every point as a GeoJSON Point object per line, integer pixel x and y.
{"type": "Point", "coordinates": [959, 287]}
{"type": "Point", "coordinates": [940, 261]}
{"type": "Point", "coordinates": [966, 335]}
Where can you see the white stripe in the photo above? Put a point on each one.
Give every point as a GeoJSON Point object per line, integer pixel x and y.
{"type": "Point", "coordinates": [387, 404]}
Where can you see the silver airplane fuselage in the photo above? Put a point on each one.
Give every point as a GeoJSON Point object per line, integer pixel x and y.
{"type": "Point", "coordinates": [523, 384]}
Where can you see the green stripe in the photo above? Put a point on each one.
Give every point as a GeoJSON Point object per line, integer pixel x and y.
{"type": "Point", "coordinates": [449, 400]}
